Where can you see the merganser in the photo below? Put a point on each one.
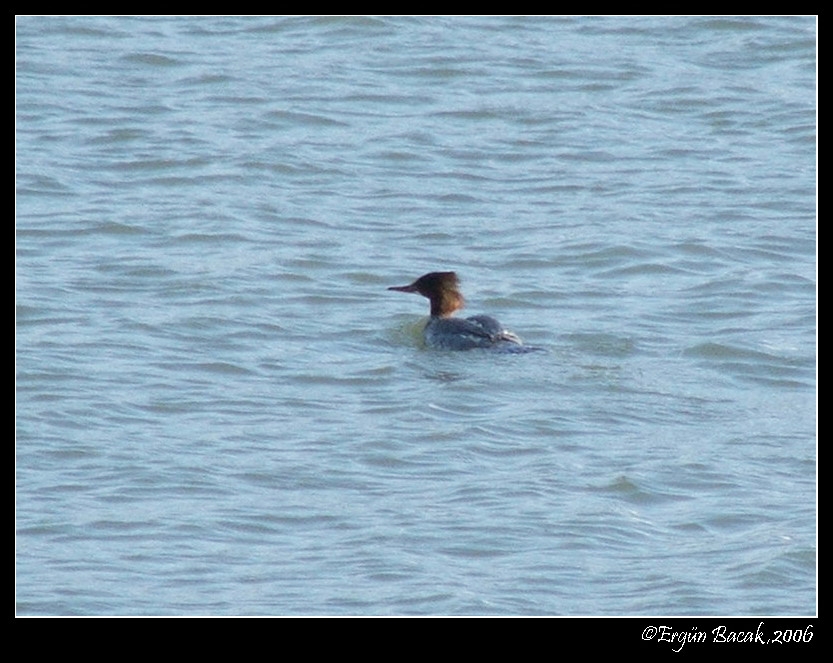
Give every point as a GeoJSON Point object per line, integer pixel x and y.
{"type": "Point", "coordinates": [444, 332]}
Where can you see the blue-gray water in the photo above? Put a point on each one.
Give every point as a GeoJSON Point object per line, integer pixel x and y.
{"type": "Point", "coordinates": [220, 409]}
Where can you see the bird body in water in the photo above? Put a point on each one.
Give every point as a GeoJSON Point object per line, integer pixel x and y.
{"type": "Point", "coordinates": [445, 332]}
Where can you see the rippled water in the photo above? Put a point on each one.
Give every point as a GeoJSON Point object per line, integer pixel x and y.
{"type": "Point", "coordinates": [220, 409]}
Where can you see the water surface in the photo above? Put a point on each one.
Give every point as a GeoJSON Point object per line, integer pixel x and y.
{"type": "Point", "coordinates": [220, 409]}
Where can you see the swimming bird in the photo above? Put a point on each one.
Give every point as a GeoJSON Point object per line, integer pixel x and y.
{"type": "Point", "coordinates": [445, 332]}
